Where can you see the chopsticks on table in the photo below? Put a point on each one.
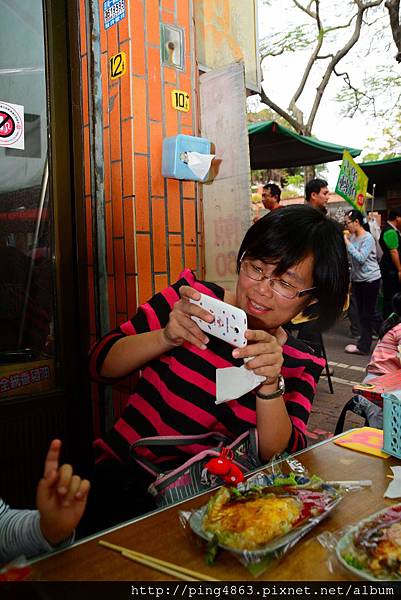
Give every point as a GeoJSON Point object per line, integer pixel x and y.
{"type": "Point", "coordinates": [158, 564]}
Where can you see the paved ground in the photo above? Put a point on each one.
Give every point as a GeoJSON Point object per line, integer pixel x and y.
{"type": "Point", "coordinates": [348, 369]}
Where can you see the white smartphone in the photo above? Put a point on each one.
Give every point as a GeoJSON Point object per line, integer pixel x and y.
{"type": "Point", "coordinates": [230, 322]}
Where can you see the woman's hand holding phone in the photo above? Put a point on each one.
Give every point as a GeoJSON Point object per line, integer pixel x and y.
{"type": "Point", "coordinates": [181, 327]}
{"type": "Point", "coordinates": [265, 354]}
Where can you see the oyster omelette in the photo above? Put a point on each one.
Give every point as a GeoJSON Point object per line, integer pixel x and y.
{"type": "Point", "coordinates": [251, 520]}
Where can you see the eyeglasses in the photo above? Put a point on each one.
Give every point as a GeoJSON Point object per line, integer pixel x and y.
{"type": "Point", "coordinates": [279, 286]}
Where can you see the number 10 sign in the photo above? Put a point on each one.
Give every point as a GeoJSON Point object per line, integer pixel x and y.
{"type": "Point", "coordinates": [180, 100]}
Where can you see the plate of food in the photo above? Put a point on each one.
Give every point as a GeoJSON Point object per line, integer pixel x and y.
{"type": "Point", "coordinates": [372, 548]}
{"type": "Point", "coordinates": [260, 521]}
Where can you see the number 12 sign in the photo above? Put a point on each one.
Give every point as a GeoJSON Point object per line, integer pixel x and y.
{"type": "Point", "coordinates": [118, 65]}
{"type": "Point", "coordinates": [180, 100]}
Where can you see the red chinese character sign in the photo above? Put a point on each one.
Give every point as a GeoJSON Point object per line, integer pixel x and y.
{"type": "Point", "coordinates": [11, 125]}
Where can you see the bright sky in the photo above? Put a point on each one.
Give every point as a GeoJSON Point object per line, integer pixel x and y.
{"type": "Point", "coordinates": [284, 73]}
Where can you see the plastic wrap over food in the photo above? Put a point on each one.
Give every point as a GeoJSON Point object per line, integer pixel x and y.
{"type": "Point", "coordinates": [370, 549]}
{"type": "Point", "coordinates": [261, 519]}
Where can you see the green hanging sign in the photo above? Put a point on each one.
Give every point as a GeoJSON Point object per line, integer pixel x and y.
{"type": "Point", "coordinates": [352, 183]}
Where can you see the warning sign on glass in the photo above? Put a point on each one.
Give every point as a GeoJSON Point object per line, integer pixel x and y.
{"type": "Point", "coordinates": [11, 126]}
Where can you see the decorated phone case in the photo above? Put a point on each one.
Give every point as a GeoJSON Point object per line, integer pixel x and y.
{"type": "Point", "coordinates": [230, 322]}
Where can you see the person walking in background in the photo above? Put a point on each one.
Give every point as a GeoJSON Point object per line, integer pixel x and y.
{"type": "Point", "coordinates": [317, 194]}
{"type": "Point", "coordinates": [390, 263]}
{"type": "Point", "coordinates": [271, 196]}
{"type": "Point", "coordinates": [365, 278]}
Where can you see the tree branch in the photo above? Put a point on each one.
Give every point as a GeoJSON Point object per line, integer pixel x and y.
{"type": "Point", "coordinates": [393, 7]}
{"type": "Point", "coordinates": [311, 62]}
{"type": "Point", "coordinates": [362, 7]}
{"type": "Point", "coordinates": [306, 9]}
{"type": "Point", "coordinates": [266, 100]}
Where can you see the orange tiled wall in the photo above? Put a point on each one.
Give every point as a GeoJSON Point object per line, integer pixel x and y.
{"type": "Point", "coordinates": [152, 224]}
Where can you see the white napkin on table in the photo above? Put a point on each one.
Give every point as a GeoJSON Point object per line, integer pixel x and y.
{"type": "Point", "coordinates": [394, 488]}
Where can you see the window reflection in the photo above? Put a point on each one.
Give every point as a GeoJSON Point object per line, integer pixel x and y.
{"type": "Point", "coordinates": [27, 348]}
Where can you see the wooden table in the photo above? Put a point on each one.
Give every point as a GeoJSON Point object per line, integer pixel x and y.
{"type": "Point", "coordinates": [160, 533]}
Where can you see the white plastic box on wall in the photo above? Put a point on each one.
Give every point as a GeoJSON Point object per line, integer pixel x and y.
{"type": "Point", "coordinates": [174, 159]}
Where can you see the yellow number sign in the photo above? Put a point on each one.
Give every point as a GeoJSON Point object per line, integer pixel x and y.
{"type": "Point", "coordinates": [180, 100]}
{"type": "Point", "coordinates": [118, 65]}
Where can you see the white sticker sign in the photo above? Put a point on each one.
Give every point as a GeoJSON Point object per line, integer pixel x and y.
{"type": "Point", "coordinates": [11, 125]}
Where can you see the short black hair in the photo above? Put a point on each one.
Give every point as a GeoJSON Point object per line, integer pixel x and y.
{"type": "Point", "coordinates": [314, 185]}
{"type": "Point", "coordinates": [393, 213]}
{"type": "Point", "coordinates": [286, 236]}
{"type": "Point", "coordinates": [274, 190]}
{"type": "Point", "coordinates": [356, 215]}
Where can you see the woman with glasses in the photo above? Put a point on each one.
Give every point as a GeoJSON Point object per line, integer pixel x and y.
{"type": "Point", "coordinates": [291, 260]}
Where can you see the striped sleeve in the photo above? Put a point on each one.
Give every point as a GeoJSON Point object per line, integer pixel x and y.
{"type": "Point", "coordinates": [151, 316]}
{"type": "Point", "coordinates": [20, 533]}
{"type": "Point", "coordinates": [301, 371]}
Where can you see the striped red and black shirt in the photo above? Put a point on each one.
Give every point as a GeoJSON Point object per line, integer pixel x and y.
{"type": "Point", "coordinates": [175, 393]}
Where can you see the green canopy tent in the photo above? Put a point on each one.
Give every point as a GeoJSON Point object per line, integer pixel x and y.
{"type": "Point", "coordinates": [272, 146]}
{"type": "Point", "coordinates": [384, 173]}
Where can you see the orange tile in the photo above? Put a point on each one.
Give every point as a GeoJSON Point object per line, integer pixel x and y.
{"type": "Point", "coordinates": [168, 16]}
{"type": "Point", "coordinates": [87, 164]}
{"type": "Point", "coordinates": [136, 14]}
{"type": "Point", "coordinates": [119, 269]}
{"type": "Point", "coordinates": [132, 304]}
{"type": "Point", "coordinates": [174, 205]}
{"type": "Point", "coordinates": [89, 237]}
{"type": "Point", "coordinates": [183, 14]}
{"type": "Point", "coordinates": [105, 92]}
{"type": "Point", "coordinates": [153, 22]}
{"type": "Point", "coordinates": [106, 164]}
{"type": "Point", "coordinates": [116, 198]}
{"type": "Point", "coordinates": [161, 282]}
{"type": "Point", "coordinates": [176, 265]}
{"type": "Point", "coordinates": [157, 180]}
{"type": "Point", "coordinates": [112, 40]}
{"type": "Point", "coordinates": [190, 257]}
{"type": "Point", "coordinates": [154, 84]}
{"type": "Point", "coordinates": [82, 27]}
{"type": "Point", "coordinates": [112, 301]}
{"type": "Point", "coordinates": [140, 118]}
{"type": "Point", "coordinates": [108, 215]}
{"type": "Point", "coordinates": [144, 268]}
{"type": "Point", "coordinates": [84, 88]}
{"type": "Point", "coordinates": [115, 125]}
{"type": "Point", "coordinates": [123, 28]}
{"type": "Point", "coordinates": [189, 222]}
{"type": "Point", "coordinates": [141, 193]}
{"type": "Point", "coordinates": [170, 75]}
{"type": "Point", "coordinates": [187, 130]}
{"type": "Point", "coordinates": [188, 189]}
{"type": "Point", "coordinates": [126, 86]}
{"type": "Point", "coordinates": [127, 149]}
{"type": "Point", "coordinates": [169, 4]}
{"type": "Point", "coordinates": [171, 115]}
{"type": "Point", "coordinates": [159, 234]}
{"type": "Point", "coordinates": [129, 234]}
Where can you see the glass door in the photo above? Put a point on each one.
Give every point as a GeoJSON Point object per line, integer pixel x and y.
{"type": "Point", "coordinates": [28, 347]}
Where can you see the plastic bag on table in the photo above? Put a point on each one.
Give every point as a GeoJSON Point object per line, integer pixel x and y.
{"type": "Point", "coordinates": [370, 549]}
{"type": "Point", "coordinates": [275, 509]}
{"type": "Point", "coordinates": [16, 570]}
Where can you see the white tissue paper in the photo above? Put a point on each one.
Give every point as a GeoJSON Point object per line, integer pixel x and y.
{"type": "Point", "coordinates": [199, 163]}
{"type": "Point", "coordinates": [234, 382]}
{"type": "Point", "coordinates": [394, 488]}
